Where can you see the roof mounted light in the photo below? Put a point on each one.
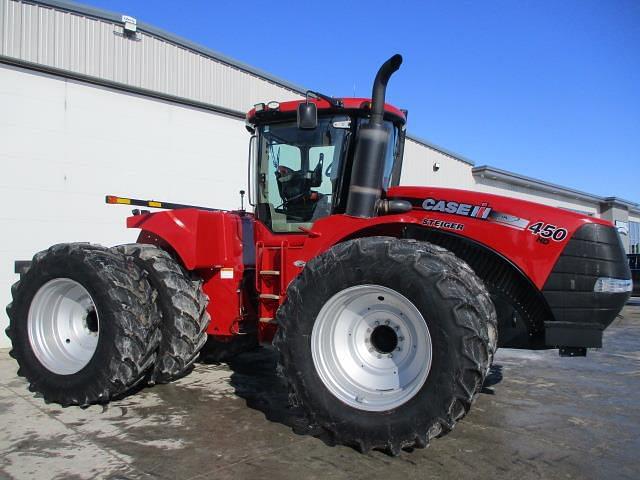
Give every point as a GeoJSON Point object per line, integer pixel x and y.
{"type": "Point", "coordinates": [613, 285]}
{"type": "Point", "coordinates": [259, 107]}
{"type": "Point", "coordinates": [130, 26]}
{"type": "Point", "coordinates": [273, 105]}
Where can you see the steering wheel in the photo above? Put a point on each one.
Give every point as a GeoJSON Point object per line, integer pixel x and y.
{"type": "Point", "coordinates": [292, 184]}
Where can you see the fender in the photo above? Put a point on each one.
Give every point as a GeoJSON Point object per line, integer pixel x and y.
{"type": "Point", "coordinates": [202, 239]}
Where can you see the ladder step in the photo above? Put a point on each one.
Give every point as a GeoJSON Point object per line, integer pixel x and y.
{"type": "Point", "coordinates": [270, 296]}
{"type": "Point", "coordinates": [269, 272]}
{"type": "Point", "coordinates": [267, 320]}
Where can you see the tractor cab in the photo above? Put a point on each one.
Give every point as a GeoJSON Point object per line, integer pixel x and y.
{"type": "Point", "coordinates": [300, 171]}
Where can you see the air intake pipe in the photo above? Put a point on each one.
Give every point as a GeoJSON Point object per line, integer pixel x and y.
{"type": "Point", "coordinates": [371, 147]}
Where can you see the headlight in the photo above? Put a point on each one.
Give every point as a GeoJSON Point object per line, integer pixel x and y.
{"type": "Point", "coordinates": [612, 285]}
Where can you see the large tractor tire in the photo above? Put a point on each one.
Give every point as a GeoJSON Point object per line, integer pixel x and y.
{"type": "Point", "coordinates": [386, 343]}
{"type": "Point", "coordinates": [83, 324]}
{"type": "Point", "coordinates": [183, 306]}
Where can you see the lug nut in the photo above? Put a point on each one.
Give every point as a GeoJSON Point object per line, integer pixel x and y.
{"type": "Point", "coordinates": [387, 322]}
{"type": "Point", "coordinates": [398, 349]}
{"type": "Point", "coordinates": [401, 339]}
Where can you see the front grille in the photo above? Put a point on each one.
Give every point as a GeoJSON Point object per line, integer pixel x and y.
{"type": "Point", "coordinates": [594, 251]}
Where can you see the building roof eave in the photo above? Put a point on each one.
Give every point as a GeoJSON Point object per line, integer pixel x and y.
{"type": "Point", "coordinates": [99, 13]}
{"type": "Point", "coordinates": [548, 187]}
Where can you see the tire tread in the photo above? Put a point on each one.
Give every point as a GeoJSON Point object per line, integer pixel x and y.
{"type": "Point", "coordinates": [138, 322]}
{"type": "Point", "coordinates": [183, 307]}
{"type": "Point", "coordinates": [456, 285]}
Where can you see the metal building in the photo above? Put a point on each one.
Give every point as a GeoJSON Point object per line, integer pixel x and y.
{"type": "Point", "coordinates": [95, 103]}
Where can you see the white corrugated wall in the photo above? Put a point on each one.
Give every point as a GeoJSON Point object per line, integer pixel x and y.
{"type": "Point", "coordinates": [65, 144]}
{"type": "Point", "coordinates": [424, 165]}
{"type": "Point", "coordinates": [90, 46]}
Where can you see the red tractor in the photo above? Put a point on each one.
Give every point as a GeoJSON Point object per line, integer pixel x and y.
{"type": "Point", "coordinates": [386, 303]}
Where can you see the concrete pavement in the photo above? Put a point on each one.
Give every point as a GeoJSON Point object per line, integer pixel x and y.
{"type": "Point", "coordinates": [540, 416]}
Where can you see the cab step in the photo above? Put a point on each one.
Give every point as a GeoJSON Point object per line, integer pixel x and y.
{"type": "Point", "coordinates": [269, 296]}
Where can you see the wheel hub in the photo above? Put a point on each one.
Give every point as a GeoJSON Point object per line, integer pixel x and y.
{"type": "Point", "coordinates": [371, 347]}
{"type": "Point", "coordinates": [63, 326]}
{"type": "Point", "coordinates": [384, 339]}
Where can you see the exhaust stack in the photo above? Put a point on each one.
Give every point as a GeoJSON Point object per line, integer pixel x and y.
{"type": "Point", "coordinates": [368, 162]}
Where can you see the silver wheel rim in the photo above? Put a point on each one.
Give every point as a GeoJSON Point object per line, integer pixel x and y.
{"type": "Point", "coordinates": [353, 349]}
{"type": "Point", "coordinates": [63, 326]}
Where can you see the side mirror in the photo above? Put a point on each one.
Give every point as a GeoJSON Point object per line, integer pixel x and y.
{"type": "Point", "coordinates": [307, 116]}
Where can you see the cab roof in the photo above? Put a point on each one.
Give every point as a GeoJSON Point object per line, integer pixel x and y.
{"type": "Point", "coordinates": [266, 113]}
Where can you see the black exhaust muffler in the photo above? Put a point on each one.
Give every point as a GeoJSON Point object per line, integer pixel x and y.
{"type": "Point", "coordinates": [371, 147]}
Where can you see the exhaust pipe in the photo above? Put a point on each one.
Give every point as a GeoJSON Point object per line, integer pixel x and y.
{"type": "Point", "coordinates": [371, 147]}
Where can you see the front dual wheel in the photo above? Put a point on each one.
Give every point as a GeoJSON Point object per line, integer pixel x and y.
{"type": "Point", "coordinates": [386, 342]}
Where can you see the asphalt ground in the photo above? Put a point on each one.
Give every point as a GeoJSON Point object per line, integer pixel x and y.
{"type": "Point", "coordinates": [539, 416]}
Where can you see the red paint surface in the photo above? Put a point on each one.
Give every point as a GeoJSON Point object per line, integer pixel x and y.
{"type": "Point", "coordinates": [348, 104]}
{"type": "Point", "coordinates": [209, 241]}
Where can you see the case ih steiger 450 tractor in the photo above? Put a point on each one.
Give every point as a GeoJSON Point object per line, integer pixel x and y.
{"type": "Point", "coordinates": [386, 303]}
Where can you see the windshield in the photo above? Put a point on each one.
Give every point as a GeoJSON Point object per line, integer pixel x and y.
{"type": "Point", "coordinates": [299, 171]}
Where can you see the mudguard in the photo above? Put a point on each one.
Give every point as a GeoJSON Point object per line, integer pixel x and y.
{"type": "Point", "coordinates": [202, 239]}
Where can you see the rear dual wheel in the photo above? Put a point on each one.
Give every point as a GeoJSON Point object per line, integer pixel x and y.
{"type": "Point", "coordinates": [394, 349]}
{"type": "Point", "coordinates": [183, 308]}
{"type": "Point", "coordinates": [87, 323]}
{"type": "Point", "coordinates": [83, 324]}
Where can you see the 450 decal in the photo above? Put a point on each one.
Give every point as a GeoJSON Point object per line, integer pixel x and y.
{"type": "Point", "coordinates": [547, 231]}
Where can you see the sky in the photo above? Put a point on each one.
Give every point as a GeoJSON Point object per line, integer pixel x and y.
{"type": "Point", "coordinates": [544, 88]}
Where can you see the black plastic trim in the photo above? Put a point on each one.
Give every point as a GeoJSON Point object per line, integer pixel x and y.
{"type": "Point", "coordinates": [594, 251]}
{"type": "Point", "coordinates": [573, 334]}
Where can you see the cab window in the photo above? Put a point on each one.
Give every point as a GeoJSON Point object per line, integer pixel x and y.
{"type": "Point", "coordinates": [298, 172]}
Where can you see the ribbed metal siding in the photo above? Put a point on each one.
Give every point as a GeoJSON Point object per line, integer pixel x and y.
{"type": "Point", "coordinates": [634, 236]}
{"type": "Point", "coordinates": [81, 44]}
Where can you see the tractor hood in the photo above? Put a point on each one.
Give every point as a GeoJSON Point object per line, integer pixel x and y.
{"type": "Point", "coordinates": [507, 211]}
{"type": "Point", "coordinates": [529, 234]}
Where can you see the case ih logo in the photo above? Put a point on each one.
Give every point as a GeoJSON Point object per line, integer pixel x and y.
{"type": "Point", "coordinates": [462, 209]}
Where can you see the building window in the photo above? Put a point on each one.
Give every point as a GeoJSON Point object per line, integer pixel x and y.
{"type": "Point", "coordinates": [634, 237]}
